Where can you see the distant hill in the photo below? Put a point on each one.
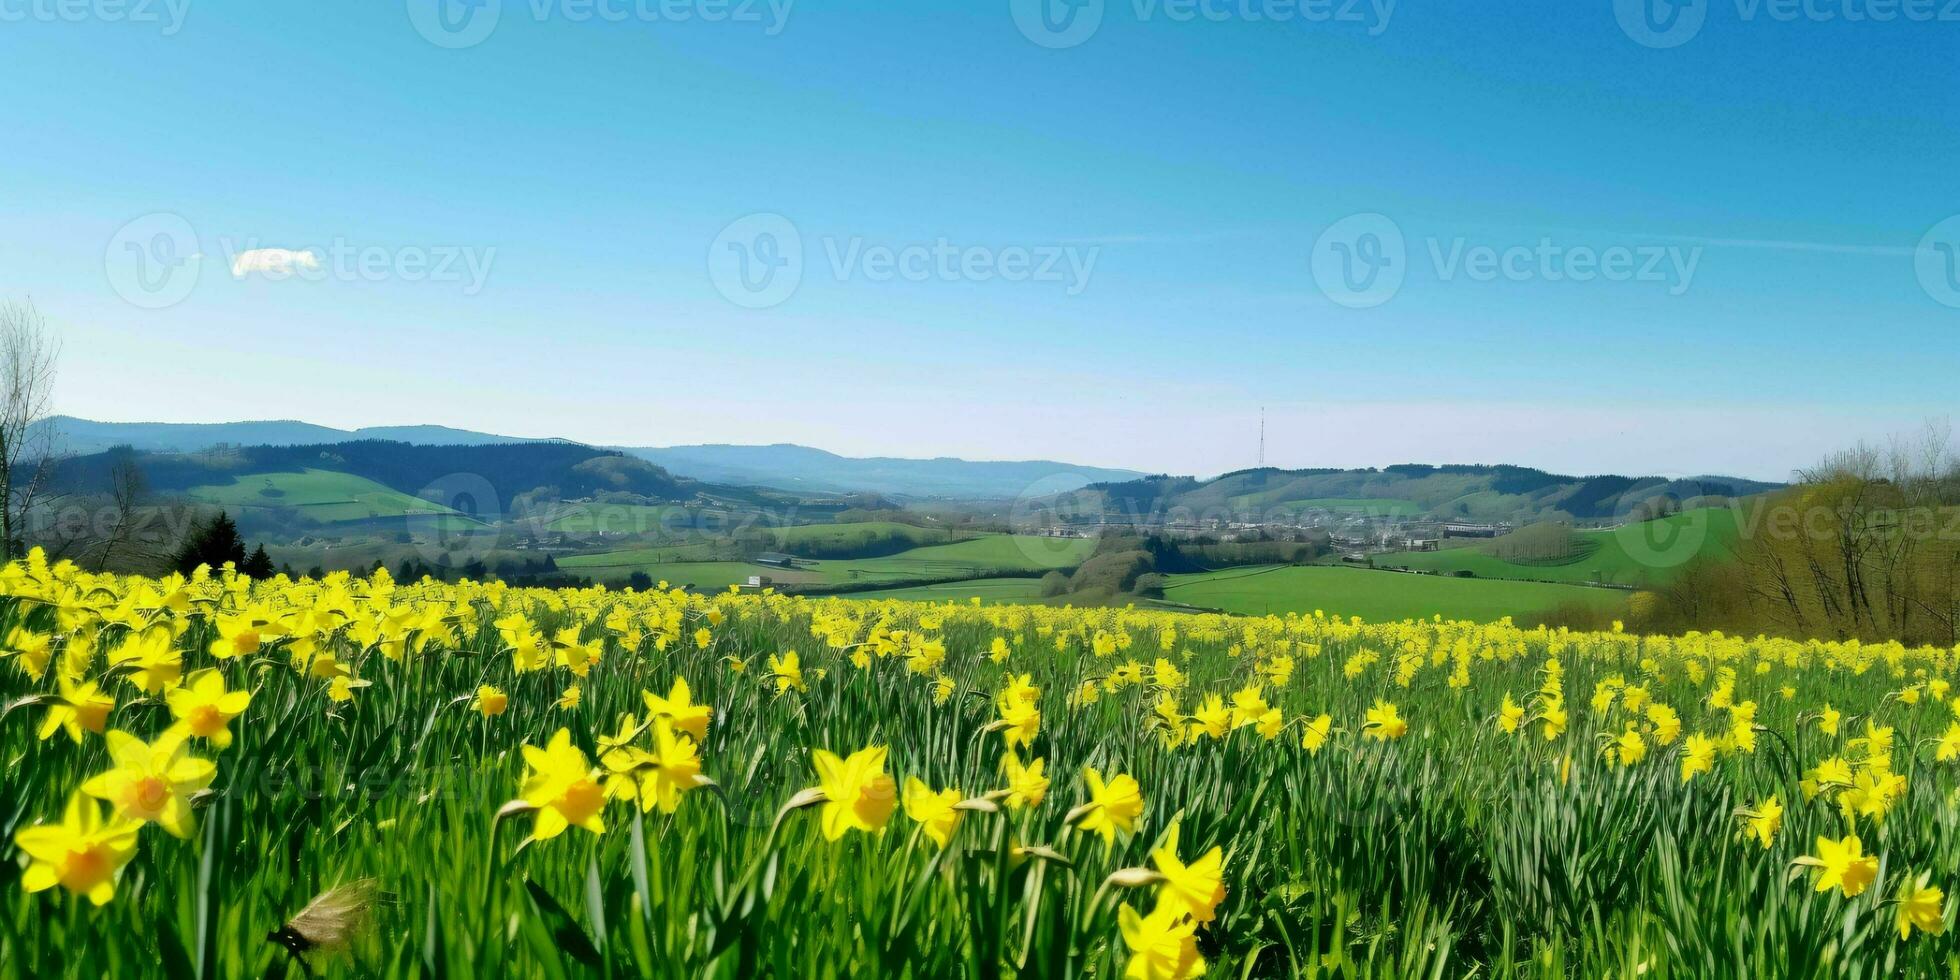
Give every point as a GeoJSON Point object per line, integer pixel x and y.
{"type": "Point", "coordinates": [348, 504]}
{"type": "Point", "coordinates": [1471, 493]}
{"type": "Point", "coordinates": [1461, 493]}
{"type": "Point", "coordinates": [503, 470]}
{"type": "Point", "coordinates": [84, 436]}
{"type": "Point", "coordinates": [783, 467]}
{"type": "Point", "coordinates": [792, 467]}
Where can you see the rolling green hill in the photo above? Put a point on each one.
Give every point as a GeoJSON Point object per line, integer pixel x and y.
{"type": "Point", "coordinates": [789, 467]}
{"type": "Point", "coordinates": [1463, 493]}
{"type": "Point", "coordinates": [318, 495]}
{"type": "Point", "coordinates": [785, 467]}
{"type": "Point", "coordinates": [1648, 553]}
{"type": "Point", "coordinates": [1377, 595]}
{"type": "Point", "coordinates": [88, 436]}
{"type": "Point", "coordinates": [491, 476]}
{"type": "Point", "coordinates": [868, 539]}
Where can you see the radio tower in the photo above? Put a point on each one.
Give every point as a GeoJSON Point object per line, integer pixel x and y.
{"type": "Point", "coordinates": [1262, 437]}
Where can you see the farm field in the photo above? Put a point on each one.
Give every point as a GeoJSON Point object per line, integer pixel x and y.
{"type": "Point", "coordinates": [319, 495]}
{"type": "Point", "coordinates": [1633, 555]}
{"type": "Point", "coordinates": [706, 575]}
{"type": "Point", "coordinates": [1649, 553]}
{"type": "Point", "coordinates": [1374, 595]}
{"type": "Point", "coordinates": [978, 556]}
{"type": "Point", "coordinates": [834, 537]}
{"type": "Point", "coordinates": [601, 518]}
{"type": "Point", "coordinates": [992, 553]}
{"type": "Point", "coordinates": [428, 780]}
{"type": "Point", "coordinates": [359, 554]}
{"type": "Point", "coordinates": [984, 589]}
{"type": "Point", "coordinates": [633, 558]}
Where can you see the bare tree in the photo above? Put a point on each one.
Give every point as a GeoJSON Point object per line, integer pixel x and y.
{"type": "Point", "coordinates": [126, 489]}
{"type": "Point", "coordinates": [27, 360]}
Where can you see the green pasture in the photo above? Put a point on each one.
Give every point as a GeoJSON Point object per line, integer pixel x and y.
{"type": "Point", "coordinates": [318, 495]}
{"type": "Point", "coordinates": [1649, 553]}
{"type": "Point", "coordinates": [985, 589]}
{"type": "Point", "coordinates": [1376, 595]}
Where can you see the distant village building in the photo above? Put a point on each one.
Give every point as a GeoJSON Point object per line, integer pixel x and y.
{"type": "Point", "coordinates": [1055, 532]}
{"type": "Point", "coordinates": [1475, 530]}
{"type": "Point", "coordinates": [759, 581]}
{"type": "Point", "coordinates": [1192, 527]}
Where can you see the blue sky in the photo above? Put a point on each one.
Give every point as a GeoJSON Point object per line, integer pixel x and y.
{"type": "Point", "coordinates": [545, 217]}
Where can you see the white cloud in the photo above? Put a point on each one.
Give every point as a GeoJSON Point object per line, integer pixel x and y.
{"type": "Point", "coordinates": [275, 263]}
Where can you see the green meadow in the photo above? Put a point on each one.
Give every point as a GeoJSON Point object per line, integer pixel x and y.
{"type": "Point", "coordinates": [978, 556]}
{"type": "Point", "coordinates": [827, 538]}
{"type": "Point", "coordinates": [1377, 596]}
{"type": "Point", "coordinates": [702, 575]}
{"type": "Point", "coordinates": [1643, 554]}
{"type": "Point", "coordinates": [989, 555]}
{"type": "Point", "coordinates": [985, 589]}
{"type": "Point", "coordinates": [319, 495]}
{"type": "Point", "coordinates": [598, 518]}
